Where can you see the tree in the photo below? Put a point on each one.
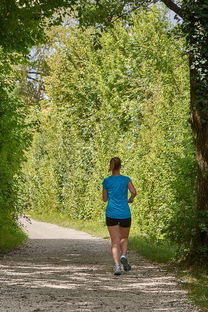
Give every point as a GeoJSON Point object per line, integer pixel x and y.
{"type": "Point", "coordinates": [115, 99]}
{"type": "Point", "coordinates": [195, 27]}
{"type": "Point", "coordinates": [22, 22]}
{"type": "Point", "coordinates": [22, 26]}
{"type": "Point", "coordinates": [195, 15]}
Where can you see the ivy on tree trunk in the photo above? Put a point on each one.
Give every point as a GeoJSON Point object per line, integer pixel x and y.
{"type": "Point", "coordinates": [196, 28]}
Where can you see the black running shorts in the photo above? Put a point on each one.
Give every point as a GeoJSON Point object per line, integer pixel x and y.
{"type": "Point", "coordinates": [122, 222]}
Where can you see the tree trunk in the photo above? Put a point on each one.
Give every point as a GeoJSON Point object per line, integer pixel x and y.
{"type": "Point", "coordinates": [199, 111]}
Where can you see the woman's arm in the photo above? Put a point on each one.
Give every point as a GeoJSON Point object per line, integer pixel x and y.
{"type": "Point", "coordinates": [132, 191]}
{"type": "Point", "coordinates": [105, 195]}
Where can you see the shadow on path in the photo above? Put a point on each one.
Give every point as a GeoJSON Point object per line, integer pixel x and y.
{"type": "Point", "coordinates": [76, 275]}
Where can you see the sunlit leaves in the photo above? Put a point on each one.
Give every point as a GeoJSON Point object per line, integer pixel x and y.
{"type": "Point", "coordinates": [129, 97]}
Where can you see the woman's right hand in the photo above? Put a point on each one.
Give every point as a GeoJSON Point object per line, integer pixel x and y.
{"type": "Point", "coordinates": [132, 191]}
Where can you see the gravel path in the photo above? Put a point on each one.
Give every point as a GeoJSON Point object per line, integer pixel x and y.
{"type": "Point", "coordinates": [62, 270]}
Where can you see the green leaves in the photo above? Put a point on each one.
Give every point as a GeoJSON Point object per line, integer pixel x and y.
{"type": "Point", "coordinates": [129, 97]}
{"type": "Point", "coordinates": [14, 138]}
{"type": "Point", "coordinates": [22, 22]}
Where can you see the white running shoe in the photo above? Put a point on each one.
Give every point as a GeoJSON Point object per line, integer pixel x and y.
{"type": "Point", "coordinates": [124, 261]}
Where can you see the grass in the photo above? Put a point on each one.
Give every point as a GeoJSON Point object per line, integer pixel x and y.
{"type": "Point", "coordinates": [11, 236]}
{"type": "Point", "coordinates": [160, 253]}
{"type": "Point", "coordinates": [193, 279]}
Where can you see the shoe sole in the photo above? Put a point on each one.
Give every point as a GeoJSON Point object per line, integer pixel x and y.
{"type": "Point", "coordinates": [117, 273]}
{"type": "Point", "coordinates": [126, 267]}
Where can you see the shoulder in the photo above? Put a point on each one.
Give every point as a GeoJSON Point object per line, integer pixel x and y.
{"type": "Point", "coordinates": [105, 181]}
{"type": "Point", "coordinates": [127, 178]}
{"type": "Point", "coordinates": [107, 178]}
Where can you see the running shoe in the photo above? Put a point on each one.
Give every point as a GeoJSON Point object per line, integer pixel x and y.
{"type": "Point", "coordinates": [124, 261]}
{"type": "Point", "coordinates": [117, 269]}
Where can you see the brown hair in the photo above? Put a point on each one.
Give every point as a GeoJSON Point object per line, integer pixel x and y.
{"type": "Point", "coordinates": [115, 163]}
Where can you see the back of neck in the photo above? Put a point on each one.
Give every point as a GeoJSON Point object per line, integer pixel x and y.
{"type": "Point", "coordinates": [116, 172]}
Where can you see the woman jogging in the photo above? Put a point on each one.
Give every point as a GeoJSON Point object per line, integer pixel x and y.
{"type": "Point", "coordinates": [118, 215]}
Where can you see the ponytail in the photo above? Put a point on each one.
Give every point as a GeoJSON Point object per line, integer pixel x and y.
{"type": "Point", "coordinates": [115, 164]}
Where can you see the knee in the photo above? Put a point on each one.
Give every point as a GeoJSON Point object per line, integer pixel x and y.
{"type": "Point", "coordinates": [115, 243]}
{"type": "Point", "coordinates": [123, 239]}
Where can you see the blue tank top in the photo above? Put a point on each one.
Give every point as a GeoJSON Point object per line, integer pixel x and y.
{"type": "Point", "coordinates": [117, 189]}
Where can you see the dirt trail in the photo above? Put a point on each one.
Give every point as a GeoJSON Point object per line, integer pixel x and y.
{"type": "Point", "coordinates": [62, 270]}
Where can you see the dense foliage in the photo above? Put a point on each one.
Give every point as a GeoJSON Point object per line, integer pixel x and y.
{"type": "Point", "coordinates": [125, 94]}
{"type": "Point", "coordinates": [13, 140]}
{"type": "Point", "coordinates": [22, 23]}
{"type": "Point", "coordinates": [100, 83]}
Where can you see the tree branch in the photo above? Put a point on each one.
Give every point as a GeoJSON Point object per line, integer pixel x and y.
{"type": "Point", "coordinates": [34, 72]}
{"type": "Point", "coordinates": [126, 13]}
{"type": "Point", "coordinates": [174, 7]}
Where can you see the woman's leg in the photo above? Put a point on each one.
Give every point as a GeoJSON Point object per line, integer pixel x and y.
{"type": "Point", "coordinates": [114, 232]}
{"type": "Point", "coordinates": [124, 234]}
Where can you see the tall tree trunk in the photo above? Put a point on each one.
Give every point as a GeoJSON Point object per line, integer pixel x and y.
{"type": "Point", "coordinates": [199, 111]}
{"type": "Point", "coordinates": [196, 29]}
